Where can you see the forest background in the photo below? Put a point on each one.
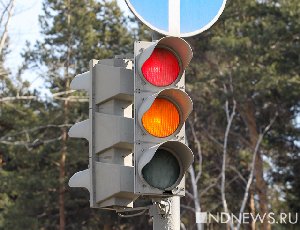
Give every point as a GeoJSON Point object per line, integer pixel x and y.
{"type": "Point", "coordinates": [244, 130]}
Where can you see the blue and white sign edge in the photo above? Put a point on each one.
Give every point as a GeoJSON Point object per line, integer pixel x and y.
{"type": "Point", "coordinates": [175, 33]}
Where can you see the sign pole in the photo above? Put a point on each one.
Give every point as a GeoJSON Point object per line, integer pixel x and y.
{"type": "Point", "coordinates": [174, 17]}
{"type": "Point", "coordinates": [166, 214]}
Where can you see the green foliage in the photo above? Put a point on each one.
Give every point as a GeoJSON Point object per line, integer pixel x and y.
{"type": "Point", "coordinates": [254, 49]}
{"type": "Point", "coordinates": [74, 32]}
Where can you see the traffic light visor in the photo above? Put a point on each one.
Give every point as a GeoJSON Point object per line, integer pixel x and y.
{"type": "Point", "coordinates": [163, 63]}
{"type": "Point", "coordinates": [163, 165]}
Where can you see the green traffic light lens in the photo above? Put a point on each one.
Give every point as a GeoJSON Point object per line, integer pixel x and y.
{"type": "Point", "coordinates": [162, 171]}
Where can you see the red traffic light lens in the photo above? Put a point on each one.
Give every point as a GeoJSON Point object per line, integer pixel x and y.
{"type": "Point", "coordinates": [162, 119]}
{"type": "Point", "coordinates": [161, 68]}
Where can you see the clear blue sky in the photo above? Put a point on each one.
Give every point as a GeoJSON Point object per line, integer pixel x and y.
{"type": "Point", "coordinates": [24, 26]}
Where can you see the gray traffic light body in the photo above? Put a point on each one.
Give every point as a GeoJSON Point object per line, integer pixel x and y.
{"type": "Point", "coordinates": [115, 131]}
{"type": "Point", "coordinates": [109, 131]}
{"type": "Point", "coordinates": [147, 146]}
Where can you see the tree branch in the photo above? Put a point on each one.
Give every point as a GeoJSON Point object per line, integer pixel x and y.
{"type": "Point", "coordinates": [238, 173]}
{"type": "Point", "coordinates": [4, 35]}
{"type": "Point", "coordinates": [223, 172]}
{"type": "Point", "coordinates": [211, 185]}
{"type": "Point", "coordinates": [199, 151]}
{"type": "Point", "coordinates": [187, 207]}
{"type": "Point", "coordinates": [250, 179]}
{"type": "Point", "coordinates": [58, 96]}
{"type": "Point", "coordinates": [35, 129]}
{"type": "Point", "coordinates": [4, 11]}
{"type": "Point", "coordinates": [27, 144]}
{"type": "Point", "coordinates": [190, 195]}
{"type": "Point", "coordinates": [5, 99]}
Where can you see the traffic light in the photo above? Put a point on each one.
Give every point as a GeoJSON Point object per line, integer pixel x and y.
{"type": "Point", "coordinates": [109, 130]}
{"type": "Point", "coordinates": [161, 107]}
{"type": "Point", "coordinates": [154, 131]}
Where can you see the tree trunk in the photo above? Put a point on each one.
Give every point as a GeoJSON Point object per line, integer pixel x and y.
{"type": "Point", "coordinates": [261, 188]}
{"type": "Point", "coordinates": [62, 219]}
{"type": "Point", "coordinates": [247, 112]}
{"type": "Point", "coordinates": [107, 227]}
{"type": "Point", "coordinates": [62, 174]}
{"type": "Point", "coordinates": [62, 163]}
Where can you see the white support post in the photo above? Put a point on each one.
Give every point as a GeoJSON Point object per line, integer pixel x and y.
{"type": "Point", "coordinates": [174, 17]}
{"type": "Point", "coordinates": [166, 214]}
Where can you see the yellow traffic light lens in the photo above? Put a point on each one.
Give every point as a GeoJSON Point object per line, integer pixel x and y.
{"type": "Point", "coordinates": [162, 118]}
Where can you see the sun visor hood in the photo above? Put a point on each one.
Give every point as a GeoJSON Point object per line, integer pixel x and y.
{"type": "Point", "coordinates": [178, 45]}
{"type": "Point", "coordinates": [183, 154]}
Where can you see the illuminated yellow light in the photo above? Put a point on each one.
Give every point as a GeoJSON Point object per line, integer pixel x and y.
{"type": "Point", "coordinates": [162, 118]}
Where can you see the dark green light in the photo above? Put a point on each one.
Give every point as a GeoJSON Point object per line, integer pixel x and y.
{"type": "Point", "coordinates": [162, 171]}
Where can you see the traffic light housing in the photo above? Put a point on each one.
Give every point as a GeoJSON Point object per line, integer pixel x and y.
{"type": "Point", "coordinates": [153, 132]}
{"type": "Point", "coordinates": [161, 107]}
{"type": "Point", "coordinates": [109, 130]}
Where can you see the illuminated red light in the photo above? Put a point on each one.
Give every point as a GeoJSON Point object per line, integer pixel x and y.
{"type": "Point", "coordinates": [162, 68]}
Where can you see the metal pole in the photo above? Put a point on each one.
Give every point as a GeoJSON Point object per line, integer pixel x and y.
{"type": "Point", "coordinates": [166, 214]}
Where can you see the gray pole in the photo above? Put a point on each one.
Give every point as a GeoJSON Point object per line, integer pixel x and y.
{"type": "Point", "coordinates": [166, 214]}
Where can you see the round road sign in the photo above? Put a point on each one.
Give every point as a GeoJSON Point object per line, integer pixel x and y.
{"type": "Point", "coordinates": [181, 18]}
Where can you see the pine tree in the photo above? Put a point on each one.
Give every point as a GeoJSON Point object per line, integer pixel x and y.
{"type": "Point", "coordinates": [74, 32]}
{"type": "Point", "coordinates": [254, 48]}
